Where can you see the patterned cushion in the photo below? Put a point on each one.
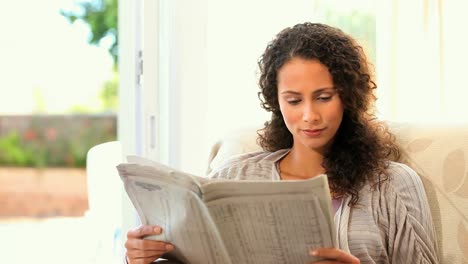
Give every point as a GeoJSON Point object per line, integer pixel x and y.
{"type": "Point", "coordinates": [440, 156]}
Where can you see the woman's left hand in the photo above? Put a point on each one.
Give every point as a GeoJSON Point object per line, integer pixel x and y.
{"type": "Point", "coordinates": [333, 256]}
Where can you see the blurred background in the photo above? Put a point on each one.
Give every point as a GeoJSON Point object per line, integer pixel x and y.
{"type": "Point", "coordinates": [166, 79]}
{"type": "Point", "coordinates": [59, 84]}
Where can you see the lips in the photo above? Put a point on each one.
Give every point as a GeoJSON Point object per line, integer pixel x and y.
{"type": "Point", "coordinates": [313, 132]}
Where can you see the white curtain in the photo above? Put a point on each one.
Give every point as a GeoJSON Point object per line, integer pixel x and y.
{"type": "Point", "coordinates": [422, 57]}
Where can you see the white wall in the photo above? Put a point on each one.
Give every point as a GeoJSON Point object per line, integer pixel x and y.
{"type": "Point", "coordinates": [129, 124]}
{"type": "Point", "coordinates": [420, 61]}
{"type": "Point", "coordinates": [214, 53]}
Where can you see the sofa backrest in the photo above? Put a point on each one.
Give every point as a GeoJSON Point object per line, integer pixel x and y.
{"type": "Point", "coordinates": [438, 153]}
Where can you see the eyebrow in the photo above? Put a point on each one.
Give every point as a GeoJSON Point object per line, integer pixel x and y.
{"type": "Point", "coordinates": [315, 92]}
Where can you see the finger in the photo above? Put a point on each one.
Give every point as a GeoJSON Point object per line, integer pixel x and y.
{"type": "Point", "coordinates": [134, 254]}
{"type": "Point", "coordinates": [142, 244]}
{"type": "Point", "coordinates": [143, 231]}
{"type": "Point", "coordinates": [327, 262]}
{"type": "Point", "coordinates": [334, 254]}
{"type": "Point", "coordinates": [142, 260]}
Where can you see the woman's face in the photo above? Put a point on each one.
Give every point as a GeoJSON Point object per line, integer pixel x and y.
{"type": "Point", "coordinates": [310, 104]}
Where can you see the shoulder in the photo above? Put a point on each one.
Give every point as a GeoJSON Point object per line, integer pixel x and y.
{"type": "Point", "coordinates": [260, 163]}
{"type": "Point", "coordinates": [403, 179]}
{"type": "Point", "coordinates": [408, 214]}
{"type": "Point", "coordinates": [399, 215]}
{"type": "Point", "coordinates": [406, 188]}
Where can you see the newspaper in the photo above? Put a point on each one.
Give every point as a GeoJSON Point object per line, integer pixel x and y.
{"type": "Point", "coordinates": [220, 221]}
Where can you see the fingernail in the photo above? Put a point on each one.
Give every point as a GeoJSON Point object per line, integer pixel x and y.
{"type": "Point", "coordinates": [157, 230]}
{"type": "Point", "coordinates": [314, 253]}
{"type": "Point", "coordinates": [169, 247]}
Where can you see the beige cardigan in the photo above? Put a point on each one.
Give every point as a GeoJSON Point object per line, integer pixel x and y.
{"type": "Point", "coordinates": [390, 224]}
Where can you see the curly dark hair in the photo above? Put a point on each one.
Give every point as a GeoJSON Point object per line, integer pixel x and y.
{"type": "Point", "coordinates": [362, 145]}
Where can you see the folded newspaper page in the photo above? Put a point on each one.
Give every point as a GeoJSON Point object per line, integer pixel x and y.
{"type": "Point", "coordinates": [220, 221]}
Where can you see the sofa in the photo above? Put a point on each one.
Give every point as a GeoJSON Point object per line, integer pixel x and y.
{"type": "Point", "coordinates": [438, 153]}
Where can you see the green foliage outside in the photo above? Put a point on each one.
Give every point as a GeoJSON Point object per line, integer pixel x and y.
{"type": "Point", "coordinates": [108, 97]}
{"type": "Point", "coordinates": [102, 18]}
{"type": "Point", "coordinates": [358, 20]}
{"type": "Point", "coordinates": [109, 94]}
{"type": "Point", "coordinates": [12, 152]}
{"type": "Point", "coordinates": [39, 101]}
{"type": "Point", "coordinates": [63, 141]}
{"type": "Point", "coordinates": [55, 141]}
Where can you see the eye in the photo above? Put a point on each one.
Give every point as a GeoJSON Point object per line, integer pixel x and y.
{"type": "Point", "coordinates": [324, 98]}
{"type": "Point", "coordinates": [293, 101]}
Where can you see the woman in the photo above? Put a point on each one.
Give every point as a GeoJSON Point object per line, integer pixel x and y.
{"type": "Point", "coordinates": [316, 83]}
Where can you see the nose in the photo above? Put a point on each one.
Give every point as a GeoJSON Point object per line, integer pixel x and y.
{"type": "Point", "coordinates": [310, 113]}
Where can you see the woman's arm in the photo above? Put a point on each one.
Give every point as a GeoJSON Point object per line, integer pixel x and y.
{"type": "Point", "coordinates": [411, 233]}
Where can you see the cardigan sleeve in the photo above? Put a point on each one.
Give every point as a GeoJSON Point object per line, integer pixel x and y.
{"type": "Point", "coordinates": [411, 234]}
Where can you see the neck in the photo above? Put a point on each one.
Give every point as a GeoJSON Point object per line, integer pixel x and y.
{"type": "Point", "coordinates": [301, 164]}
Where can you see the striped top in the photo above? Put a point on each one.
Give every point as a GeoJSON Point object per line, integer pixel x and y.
{"type": "Point", "coordinates": [390, 224]}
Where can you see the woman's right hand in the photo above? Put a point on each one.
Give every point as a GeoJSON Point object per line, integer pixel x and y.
{"type": "Point", "coordinates": [142, 251]}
